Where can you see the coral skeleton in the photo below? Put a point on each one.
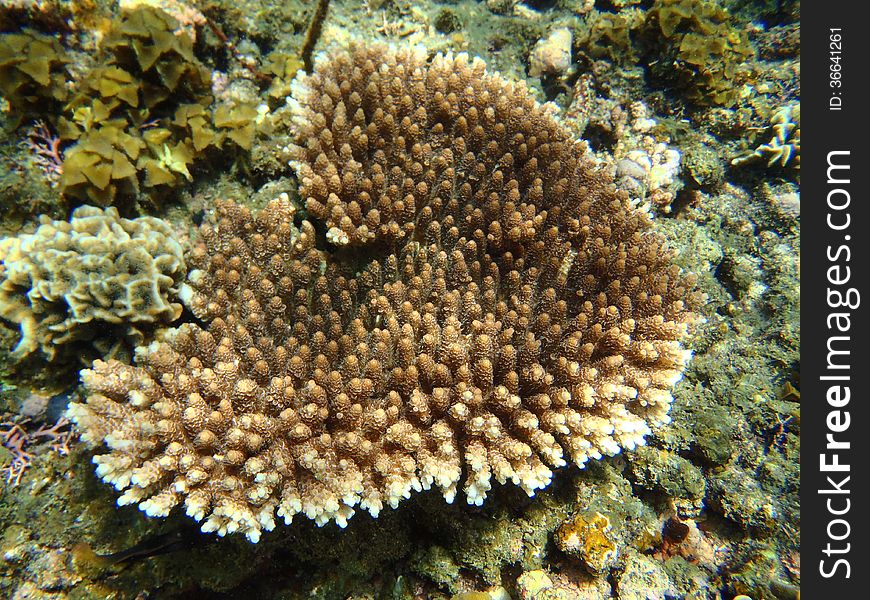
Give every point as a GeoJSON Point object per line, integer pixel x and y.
{"type": "Point", "coordinates": [487, 307]}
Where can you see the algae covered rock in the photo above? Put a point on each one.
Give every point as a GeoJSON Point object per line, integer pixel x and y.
{"type": "Point", "coordinates": [642, 578]}
{"type": "Point", "coordinates": [551, 56]}
{"type": "Point", "coordinates": [590, 537]}
{"type": "Point", "coordinates": [532, 584]}
{"type": "Point", "coordinates": [96, 276]}
{"type": "Point", "coordinates": [564, 585]}
{"type": "Point", "coordinates": [738, 496]}
{"type": "Point", "coordinates": [669, 474]}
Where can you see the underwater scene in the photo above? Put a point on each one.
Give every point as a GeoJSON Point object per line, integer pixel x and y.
{"type": "Point", "coordinates": [400, 299]}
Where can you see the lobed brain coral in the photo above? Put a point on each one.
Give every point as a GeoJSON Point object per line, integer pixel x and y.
{"type": "Point", "coordinates": [489, 308]}
{"type": "Point", "coordinates": [70, 281]}
{"type": "Point", "coordinates": [784, 147]}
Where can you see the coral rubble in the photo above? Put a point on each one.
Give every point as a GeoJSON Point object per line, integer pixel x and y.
{"type": "Point", "coordinates": [505, 310]}
{"type": "Point", "coordinates": [69, 281]}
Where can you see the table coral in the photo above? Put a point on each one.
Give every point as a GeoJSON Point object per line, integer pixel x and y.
{"type": "Point", "coordinates": [490, 307]}
{"type": "Point", "coordinates": [68, 281]}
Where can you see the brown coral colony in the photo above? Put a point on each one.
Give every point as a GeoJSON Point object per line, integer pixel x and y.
{"type": "Point", "coordinates": [488, 307]}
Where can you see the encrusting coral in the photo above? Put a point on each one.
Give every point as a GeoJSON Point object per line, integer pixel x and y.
{"type": "Point", "coordinates": [70, 281]}
{"type": "Point", "coordinates": [505, 310]}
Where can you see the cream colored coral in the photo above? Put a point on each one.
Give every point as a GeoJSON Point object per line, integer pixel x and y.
{"type": "Point", "coordinates": [69, 281]}
{"type": "Point", "coordinates": [651, 162]}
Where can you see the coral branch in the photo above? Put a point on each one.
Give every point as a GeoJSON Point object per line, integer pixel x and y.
{"type": "Point", "coordinates": [46, 151]}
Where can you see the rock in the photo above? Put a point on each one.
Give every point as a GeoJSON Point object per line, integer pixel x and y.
{"type": "Point", "coordinates": [552, 55]}
{"type": "Point", "coordinates": [531, 583]}
{"type": "Point", "coordinates": [642, 579]}
{"type": "Point", "coordinates": [590, 537]}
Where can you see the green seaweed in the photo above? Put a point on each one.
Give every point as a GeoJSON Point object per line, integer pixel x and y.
{"type": "Point", "coordinates": [608, 36]}
{"type": "Point", "coordinates": [282, 67]}
{"type": "Point", "coordinates": [145, 43]}
{"type": "Point", "coordinates": [32, 72]}
{"type": "Point", "coordinates": [150, 91]}
{"type": "Point", "coordinates": [102, 164]}
{"type": "Point", "coordinates": [693, 47]}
